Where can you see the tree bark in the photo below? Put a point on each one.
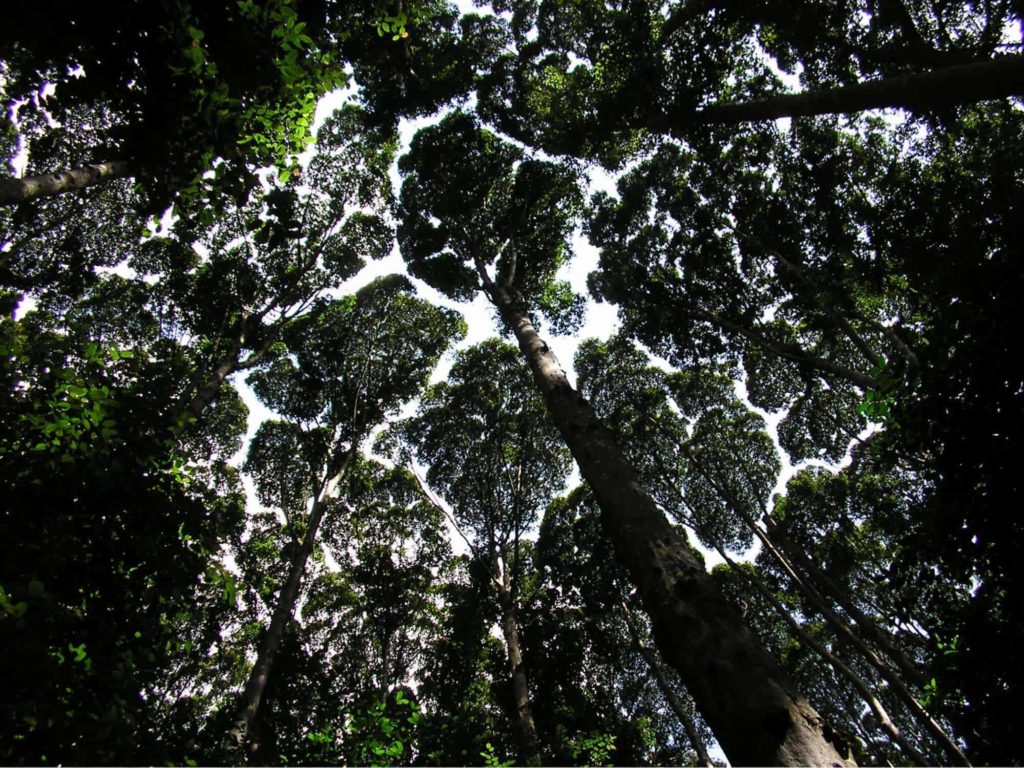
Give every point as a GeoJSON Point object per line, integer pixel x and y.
{"type": "Point", "coordinates": [686, 11]}
{"type": "Point", "coordinates": [868, 696]}
{"type": "Point", "coordinates": [944, 87]}
{"type": "Point", "coordinates": [755, 711]}
{"type": "Point", "coordinates": [526, 729]}
{"type": "Point", "coordinates": [784, 556]}
{"type": "Point", "coordinates": [814, 597]}
{"type": "Point", "coordinates": [865, 624]}
{"type": "Point", "coordinates": [208, 391]}
{"type": "Point", "coordinates": [284, 610]}
{"type": "Point", "coordinates": [228, 365]}
{"type": "Point", "coordinates": [673, 700]}
{"type": "Point", "coordinates": [13, 191]}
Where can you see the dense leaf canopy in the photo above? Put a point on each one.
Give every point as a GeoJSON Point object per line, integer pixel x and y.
{"type": "Point", "coordinates": [267, 502]}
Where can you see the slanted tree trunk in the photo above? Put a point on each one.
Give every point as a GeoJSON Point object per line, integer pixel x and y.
{"type": "Point", "coordinates": [650, 658]}
{"type": "Point", "coordinates": [754, 709]}
{"type": "Point", "coordinates": [249, 707]}
{"type": "Point", "coordinates": [14, 191]}
{"type": "Point", "coordinates": [526, 729]}
{"type": "Point", "coordinates": [862, 688]}
{"type": "Point", "coordinates": [208, 391]}
{"type": "Point", "coordinates": [231, 363]}
{"type": "Point", "coordinates": [822, 606]}
{"type": "Point", "coordinates": [866, 626]}
{"type": "Point", "coordinates": [785, 555]}
{"type": "Point", "coordinates": [686, 11]}
{"type": "Point", "coordinates": [943, 87]}
{"type": "Point", "coordinates": [228, 364]}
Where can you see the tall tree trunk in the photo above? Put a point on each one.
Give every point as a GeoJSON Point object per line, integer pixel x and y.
{"type": "Point", "coordinates": [943, 87]}
{"type": "Point", "coordinates": [812, 592]}
{"type": "Point", "coordinates": [673, 700]}
{"type": "Point", "coordinates": [755, 711]}
{"type": "Point", "coordinates": [14, 191]}
{"type": "Point", "coordinates": [208, 391]}
{"type": "Point", "coordinates": [866, 694]}
{"type": "Point", "coordinates": [822, 606]}
{"type": "Point", "coordinates": [229, 364]}
{"type": "Point", "coordinates": [865, 624]}
{"type": "Point", "coordinates": [284, 610]}
{"type": "Point", "coordinates": [526, 729]}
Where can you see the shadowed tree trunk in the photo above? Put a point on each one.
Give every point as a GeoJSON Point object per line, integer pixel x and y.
{"type": "Point", "coordinates": [14, 191]}
{"type": "Point", "coordinates": [242, 725]}
{"type": "Point", "coordinates": [842, 628]}
{"type": "Point", "coordinates": [944, 87]}
{"type": "Point", "coordinates": [526, 729]}
{"type": "Point", "coordinates": [673, 700]}
{"type": "Point", "coordinates": [229, 364]}
{"type": "Point", "coordinates": [208, 391]}
{"type": "Point", "coordinates": [862, 688]}
{"type": "Point", "coordinates": [754, 709]}
{"type": "Point", "coordinates": [865, 625]}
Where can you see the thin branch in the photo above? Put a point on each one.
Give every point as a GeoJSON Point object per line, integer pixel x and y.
{"type": "Point", "coordinates": [512, 264]}
{"type": "Point", "coordinates": [787, 351]}
{"type": "Point", "coordinates": [436, 504]}
{"type": "Point", "coordinates": [687, 10]}
{"type": "Point", "coordinates": [799, 273]}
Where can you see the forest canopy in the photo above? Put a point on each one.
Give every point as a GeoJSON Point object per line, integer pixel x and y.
{"type": "Point", "coordinates": [294, 476]}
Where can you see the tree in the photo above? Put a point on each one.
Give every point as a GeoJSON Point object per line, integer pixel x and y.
{"type": "Point", "coordinates": [597, 77]}
{"type": "Point", "coordinates": [838, 284]}
{"type": "Point", "coordinates": [185, 85]}
{"type": "Point", "coordinates": [500, 462]}
{"type": "Point", "coordinates": [116, 531]}
{"type": "Point", "coordinates": [270, 260]}
{"type": "Point", "coordinates": [600, 677]}
{"type": "Point", "coordinates": [713, 465]}
{"type": "Point", "coordinates": [54, 247]}
{"type": "Point", "coordinates": [437, 57]}
{"type": "Point", "coordinates": [851, 277]}
{"type": "Point", "coordinates": [341, 383]}
{"type": "Point", "coordinates": [338, 692]}
{"type": "Point", "coordinates": [465, 672]}
{"type": "Point", "coordinates": [516, 216]}
{"type": "Point", "coordinates": [807, 307]}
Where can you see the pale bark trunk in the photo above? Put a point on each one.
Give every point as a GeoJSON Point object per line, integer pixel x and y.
{"type": "Point", "coordinates": [866, 694]}
{"type": "Point", "coordinates": [814, 597]}
{"type": "Point", "coordinates": [755, 711]}
{"type": "Point", "coordinates": [14, 191]}
{"type": "Point", "coordinates": [526, 729]}
{"type": "Point", "coordinates": [208, 391]}
{"type": "Point", "coordinates": [673, 700]}
{"type": "Point", "coordinates": [943, 87]}
{"type": "Point", "coordinates": [284, 610]}
{"type": "Point", "coordinates": [229, 364]}
{"type": "Point", "coordinates": [865, 624]}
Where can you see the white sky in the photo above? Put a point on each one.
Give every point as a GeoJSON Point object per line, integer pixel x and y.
{"type": "Point", "coordinates": [601, 320]}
